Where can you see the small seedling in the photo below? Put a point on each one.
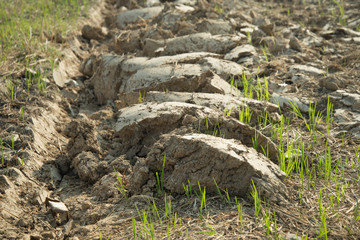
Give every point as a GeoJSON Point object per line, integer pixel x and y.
{"type": "Point", "coordinates": [2, 151]}
{"type": "Point", "coordinates": [100, 236]}
{"type": "Point", "coordinates": [255, 140]}
{"type": "Point", "coordinates": [13, 142]}
{"type": "Point", "coordinates": [218, 189]}
{"type": "Point", "coordinates": [219, 9]}
{"type": "Point", "coordinates": [341, 7]}
{"type": "Point", "coordinates": [245, 114]}
{"type": "Point", "coordinates": [249, 38]}
{"type": "Point", "coordinates": [227, 110]}
{"type": "Point", "coordinates": [187, 189]}
{"type": "Point", "coordinates": [203, 200]}
{"type": "Point", "coordinates": [141, 96]}
{"type": "Point", "coordinates": [121, 188]}
{"type": "Point", "coordinates": [329, 115]}
{"type": "Point", "coordinates": [232, 83]}
{"type": "Point", "coordinates": [167, 204]}
{"type": "Point", "coordinates": [357, 211]}
{"type": "Point", "coordinates": [264, 51]}
{"type": "Point", "coordinates": [267, 94]}
{"type": "Point", "coordinates": [134, 228]}
{"type": "Point", "coordinates": [175, 219]}
{"type": "Point", "coordinates": [257, 200]}
{"type": "Point", "coordinates": [160, 180]}
{"type": "Point", "coordinates": [267, 221]}
{"type": "Point", "coordinates": [10, 87]}
{"type": "Point", "coordinates": [323, 232]}
{"type": "Point", "coordinates": [155, 211]}
{"type": "Point", "coordinates": [22, 114]}
{"type": "Point", "coordinates": [227, 196]}
{"type": "Point", "coordinates": [240, 211]}
{"type": "Point", "coordinates": [211, 232]}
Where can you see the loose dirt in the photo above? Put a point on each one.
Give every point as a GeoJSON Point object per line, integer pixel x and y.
{"type": "Point", "coordinates": [149, 93]}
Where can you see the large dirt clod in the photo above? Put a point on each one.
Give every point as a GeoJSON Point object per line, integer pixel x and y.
{"type": "Point", "coordinates": [202, 159]}
{"type": "Point", "coordinates": [132, 65]}
{"type": "Point", "coordinates": [240, 51]}
{"type": "Point", "coordinates": [89, 65]}
{"type": "Point", "coordinates": [228, 104]}
{"type": "Point", "coordinates": [139, 126]}
{"type": "Point", "coordinates": [90, 32]}
{"type": "Point", "coordinates": [225, 69]}
{"type": "Point", "coordinates": [82, 137]}
{"type": "Point", "coordinates": [104, 188]}
{"type": "Point", "coordinates": [185, 77]}
{"type": "Point", "coordinates": [214, 26]}
{"type": "Point", "coordinates": [89, 167]}
{"type": "Point", "coordinates": [106, 80]}
{"type": "Point", "coordinates": [133, 16]}
{"type": "Point", "coordinates": [116, 75]}
{"type": "Point", "coordinates": [127, 41]}
{"type": "Point", "coordinates": [198, 42]}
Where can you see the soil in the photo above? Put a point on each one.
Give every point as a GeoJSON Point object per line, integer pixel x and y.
{"type": "Point", "coordinates": [144, 81]}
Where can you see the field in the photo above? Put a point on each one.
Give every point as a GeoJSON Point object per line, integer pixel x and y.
{"type": "Point", "coordinates": [187, 119]}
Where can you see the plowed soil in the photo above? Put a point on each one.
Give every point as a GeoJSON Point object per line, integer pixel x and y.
{"type": "Point", "coordinates": [153, 95]}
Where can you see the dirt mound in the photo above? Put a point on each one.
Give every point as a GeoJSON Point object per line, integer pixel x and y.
{"type": "Point", "coordinates": [203, 159]}
{"type": "Point", "coordinates": [116, 74]}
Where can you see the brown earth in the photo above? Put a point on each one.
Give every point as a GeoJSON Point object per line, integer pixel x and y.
{"type": "Point", "coordinates": [144, 81]}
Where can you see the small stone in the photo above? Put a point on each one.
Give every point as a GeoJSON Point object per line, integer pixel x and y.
{"type": "Point", "coordinates": [57, 207]}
